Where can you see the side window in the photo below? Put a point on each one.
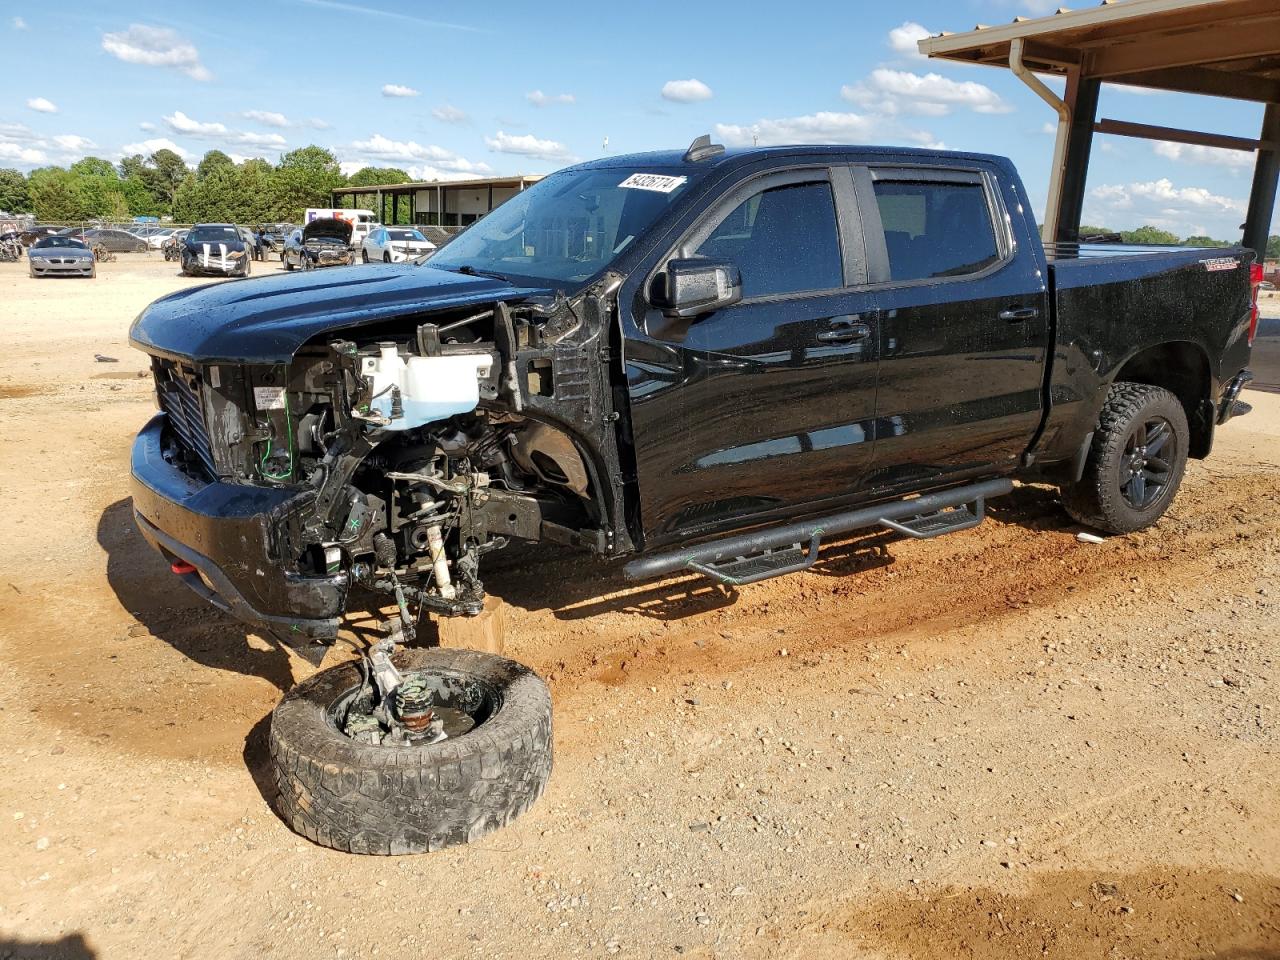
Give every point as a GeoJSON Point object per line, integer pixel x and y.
{"type": "Point", "coordinates": [935, 229]}
{"type": "Point", "coordinates": [783, 240]}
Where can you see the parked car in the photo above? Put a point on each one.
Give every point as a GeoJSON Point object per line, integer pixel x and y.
{"type": "Point", "coordinates": [29, 237]}
{"type": "Point", "coordinates": [705, 362]}
{"type": "Point", "coordinates": [362, 221]}
{"type": "Point", "coordinates": [173, 245]}
{"type": "Point", "coordinates": [215, 249]}
{"type": "Point", "coordinates": [274, 235]}
{"type": "Point", "coordinates": [115, 241]}
{"type": "Point", "coordinates": [394, 244]}
{"type": "Point", "coordinates": [321, 243]}
{"type": "Point", "coordinates": [157, 238]}
{"type": "Point", "coordinates": [57, 256]}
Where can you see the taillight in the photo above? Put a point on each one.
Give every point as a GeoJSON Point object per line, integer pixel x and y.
{"type": "Point", "coordinates": [1255, 283]}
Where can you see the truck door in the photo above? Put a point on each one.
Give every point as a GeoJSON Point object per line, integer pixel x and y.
{"type": "Point", "coordinates": [765, 405]}
{"type": "Point", "coordinates": [963, 323]}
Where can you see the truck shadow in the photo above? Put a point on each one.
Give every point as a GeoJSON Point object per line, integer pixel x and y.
{"type": "Point", "coordinates": [142, 583]}
{"type": "Point", "coordinates": [574, 585]}
{"type": "Point", "coordinates": [71, 947]}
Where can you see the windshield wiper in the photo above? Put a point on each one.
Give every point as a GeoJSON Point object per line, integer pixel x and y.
{"type": "Point", "coordinates": [471, 271]}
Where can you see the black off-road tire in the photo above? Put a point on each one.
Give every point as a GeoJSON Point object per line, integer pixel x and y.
{"type": "Point", "coordinates": [1097, 499]}
{"type": "Point", "coordinates": [388, 800]}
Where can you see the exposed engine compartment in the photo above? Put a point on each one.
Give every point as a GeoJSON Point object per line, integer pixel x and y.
{"type": "Point", "coordinates": [419, 444]}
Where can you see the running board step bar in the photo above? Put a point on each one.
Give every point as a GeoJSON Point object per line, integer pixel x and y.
{"type": "Point", "coordinates": [774, 551]}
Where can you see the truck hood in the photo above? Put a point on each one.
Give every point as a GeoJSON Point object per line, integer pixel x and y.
{"type": "Point", "coordinates": [266, 320]}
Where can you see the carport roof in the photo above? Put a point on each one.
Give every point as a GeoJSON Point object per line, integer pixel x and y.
{"type": "Point", "coordinates": [520, 180]}
{"type": "Point", "coordinates": [1224, 48]}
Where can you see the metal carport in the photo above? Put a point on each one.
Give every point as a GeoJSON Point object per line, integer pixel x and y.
{"type": "Point", "coordinates": [1221, 48]}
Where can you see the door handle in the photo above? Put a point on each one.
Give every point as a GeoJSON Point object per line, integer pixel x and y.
{"type": "Point", "coordinates": [845, 331]}
{"type": "Point", "coordinates": [1018, 314]}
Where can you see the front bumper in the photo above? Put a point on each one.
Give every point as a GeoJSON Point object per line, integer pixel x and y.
{"type": "Point", "coordinates": [216, 267]}
{"type": "Point", "coordinates": [61, 267]}
{"type": "Point", "coordinates": [226, 532]}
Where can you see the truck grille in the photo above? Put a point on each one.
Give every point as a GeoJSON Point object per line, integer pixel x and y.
{"type": "Point", "coordinates": [178, 389]}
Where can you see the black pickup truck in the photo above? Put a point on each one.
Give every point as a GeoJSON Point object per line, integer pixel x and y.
{"type": "Point", "coordinates": [705, 361]}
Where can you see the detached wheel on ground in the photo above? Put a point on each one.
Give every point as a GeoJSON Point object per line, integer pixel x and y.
{"type": "Point", "coordinates": [376, 798]}
{"type": "Point", "coordinates": [1136, 461]}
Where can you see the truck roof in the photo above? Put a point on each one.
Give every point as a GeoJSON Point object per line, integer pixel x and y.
{"type": "Point", "coordinates": [737, 156]}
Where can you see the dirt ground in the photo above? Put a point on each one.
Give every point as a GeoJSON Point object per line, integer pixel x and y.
{"type": "Point", "coordinates": [1002, 744]}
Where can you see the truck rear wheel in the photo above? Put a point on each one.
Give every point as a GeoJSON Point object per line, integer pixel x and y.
{"type": "Point", "coordinates": [1136, 461]}
{"type": "Point", "coordinates": [397, 799]}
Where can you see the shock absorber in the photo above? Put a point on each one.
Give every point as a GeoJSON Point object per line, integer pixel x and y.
{"type": "Point", "coordinates": [439, 562]}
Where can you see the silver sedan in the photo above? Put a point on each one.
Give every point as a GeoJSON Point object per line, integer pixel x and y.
{"type": "Point", "coordinates": [60, 256]}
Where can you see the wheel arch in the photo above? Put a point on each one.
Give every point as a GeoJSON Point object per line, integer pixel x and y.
{"type": "Point", "coordinates": [1181, 367]}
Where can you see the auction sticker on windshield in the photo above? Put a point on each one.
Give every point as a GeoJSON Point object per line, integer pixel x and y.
{"type": "Point", "coordinates": [652, 181]}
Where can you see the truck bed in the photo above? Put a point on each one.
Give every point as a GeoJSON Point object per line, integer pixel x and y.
{"type": "Point", "coordinates": [1109, 300]}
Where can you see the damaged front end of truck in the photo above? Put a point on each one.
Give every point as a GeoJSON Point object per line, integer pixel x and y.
{"type": "Point", "coordinates": [391, 454]}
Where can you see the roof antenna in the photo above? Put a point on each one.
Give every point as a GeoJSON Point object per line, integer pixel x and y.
{"type": "Point", "coordinates": [703, 149]}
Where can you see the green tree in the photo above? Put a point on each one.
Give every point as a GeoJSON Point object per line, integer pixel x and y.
{"type": "Point", "coordinates": [139, 199]}
{"type": "Point", "coordinates": [375, 176]}
{"type": "Point", "coordinates": [1273, 247]}
{"type": "Point", "coordinates": [378, 176]}
{"type": "Point", "coordinates": [212, 161]}
{"type": "Point", "coordinates": [95, 167]}
{"type": "Point", "coordinates": [305, 177]}
{"type": "Point", "coordinates": [165, 170]}
{"type": "Point", "coordinates": [1203, 241]}
{"type": "Point", "coordinates": [14, 195]}
{"type": "Point", "coordinates": [1149, 234]}
{"type": "Point", "coordinates": [54, 195]}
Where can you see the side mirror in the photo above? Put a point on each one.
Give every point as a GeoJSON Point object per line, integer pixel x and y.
{"type": "Point", "coordinates": [690, 288]}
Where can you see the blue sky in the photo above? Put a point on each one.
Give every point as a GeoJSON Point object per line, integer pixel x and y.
{"type": "Point", "coordinates": [458, 90]}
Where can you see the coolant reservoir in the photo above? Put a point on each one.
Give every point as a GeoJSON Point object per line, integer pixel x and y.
{"type": "Point", "coordinates": [431, 388]}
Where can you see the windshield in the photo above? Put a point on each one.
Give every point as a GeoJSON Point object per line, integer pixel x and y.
{"type": "Point", "coordinates": [405, 235]}
{"type": "Point", "coordinates": [569, 226]}
{"type": "Point", "coordinates": [57, 242]}
{"type": "Point", "coordinates": [213, 234]}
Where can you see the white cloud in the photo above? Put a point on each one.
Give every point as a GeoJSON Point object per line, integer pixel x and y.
{"type": "Point", "coordinates": [824, 127]}
{"type": "Point", "coordinates": [418, 172]}
{"type": "Point", "coordinates": [19, 154]}
{"type": "Point", "coordinates": [685, 91]}
{"type": "Point", "coordinates": [527, 145]}
{"type": "Point", "coordinates": [447, 113]}
{"type": "Point", "coordinates": [540, 99]}
{"type": "Point", "coordinates": [19, 23]}
{"type": "Point", "coordinates": [22, 145]}
{"type": "Point", "coordinates": [156, 47]}
{"type": "Point", "coordinates": [398, 90]}
{"type": "Point", "coordinates": [179, 122]}
{"type": "Point", "coordinates": [931, 94]}
{"type": "Point", "coordinates": [383, 149]}
{"type": "Point", "coordinates": [267, 118]}
{"type": "Point", "coordinates": [187, 126]}
{"type": "Point", "coordinates": [1210, 156]}
{"type": "Point", "coordinates": [317, 124]}
{"type": "Point", "coordinates": [1181, 210]}
{"type": "Point", "coordinates": [41, 105]}
{"type": "Point", "coordinates": [905, 39]}
{"type": "Point", "coordinates": [72, 143]}
{"type": "Point", "coordinates": [148, 147]}
{"type": "Point", "coordinates": [147, 125]}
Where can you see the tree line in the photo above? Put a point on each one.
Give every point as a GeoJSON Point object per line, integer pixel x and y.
{"type": "Point", "coordinates": [217, 190]}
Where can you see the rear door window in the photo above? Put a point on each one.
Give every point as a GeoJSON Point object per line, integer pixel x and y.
{"type": "Point", "coordinates": [783, 240]}
{"type": "Point", "coordinates": [935, 229]}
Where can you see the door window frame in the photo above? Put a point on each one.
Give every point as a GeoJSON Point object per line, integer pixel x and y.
{"type": "Point", "coordinates": [865, 177]}
{"type": "Point", "coordinates": [849, 232]}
